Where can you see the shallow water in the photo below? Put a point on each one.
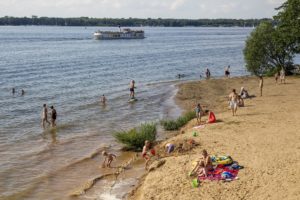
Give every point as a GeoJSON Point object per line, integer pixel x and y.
{"type": "Point", "coordinates": [65, 67]}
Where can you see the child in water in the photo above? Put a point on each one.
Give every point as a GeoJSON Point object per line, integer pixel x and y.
{"type": "Point", "coordinates": [109, 157]}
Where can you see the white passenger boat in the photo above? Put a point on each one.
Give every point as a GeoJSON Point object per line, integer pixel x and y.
{"type": "Point", "coordinates": [122, 34]}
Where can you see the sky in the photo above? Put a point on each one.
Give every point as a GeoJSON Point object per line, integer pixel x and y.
{"type": "Point", "coordinates": [188, 9]}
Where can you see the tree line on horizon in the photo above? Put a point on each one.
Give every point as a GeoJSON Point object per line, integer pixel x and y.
{"type": "Point", "coordinates": [129, 22]}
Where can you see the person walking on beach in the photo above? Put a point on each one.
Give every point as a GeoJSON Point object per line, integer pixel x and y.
{"type": "Point", "coordinates": [45, 115]}
{"type": "Point", "coordinates": [131, 88]}
{"type": "Point", "coordinates": [198, 111]}
{"type": "Point", "coordinates": [282, 76]}
{"type": "Point", "coordinates": [103, 99]}
{"type": "Point", "coordinates": [207, 73]}
{"type": "Point", "coordinates": [261, 84]}
{"type": "Point", "coordinates": [227, 72]}
{"type": "Point", "coordinates": [53, 116]}
{"type": "Point", "coordinates": [233, 101]}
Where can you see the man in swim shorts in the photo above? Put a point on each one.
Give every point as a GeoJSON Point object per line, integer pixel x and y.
{"type": "Point", "coordinates": [131, 89]}
{"type": "Point", "coordinates": [53, 116]}
{"type": "Point", "coordinates": [233, 101]}
{"type": "Point", "coordinates": [45, 115]}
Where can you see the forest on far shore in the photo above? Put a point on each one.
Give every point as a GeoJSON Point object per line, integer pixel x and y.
{"type": "Point", "coordinates": [129, 22]}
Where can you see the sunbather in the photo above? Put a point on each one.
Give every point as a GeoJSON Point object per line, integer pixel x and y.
{"type": "Point", "coordinates": [203, 166]}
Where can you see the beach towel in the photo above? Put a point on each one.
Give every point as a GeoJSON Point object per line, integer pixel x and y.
{"type": "Point", "coordinates": [199, 127]}
{"type": "Point", "coordinates": [222, 172]}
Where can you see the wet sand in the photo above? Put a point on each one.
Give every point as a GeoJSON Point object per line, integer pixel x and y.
{"type": "Point", "coordinates": [264, 138]}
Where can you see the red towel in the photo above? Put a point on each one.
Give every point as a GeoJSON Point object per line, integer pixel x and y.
{"type": "Point", "coordinates": [211, 118]}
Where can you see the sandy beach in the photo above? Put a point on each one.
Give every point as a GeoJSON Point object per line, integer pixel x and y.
{"type": "Point", "coordinates": [264, 138]}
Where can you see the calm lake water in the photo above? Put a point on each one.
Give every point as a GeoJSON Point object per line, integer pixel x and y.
{"type": "Point", "coordinates": [65, 67]}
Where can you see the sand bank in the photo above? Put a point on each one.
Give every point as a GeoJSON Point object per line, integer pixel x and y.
{"type": "Point", "coordinates": [264, 138]}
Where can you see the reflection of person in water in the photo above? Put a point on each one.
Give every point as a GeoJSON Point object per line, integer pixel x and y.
{"type": "Point", "coordinates": [53, 135]}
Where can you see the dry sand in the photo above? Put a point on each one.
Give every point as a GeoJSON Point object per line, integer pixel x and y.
{"type": "Point", "coordinates": [264, 138]}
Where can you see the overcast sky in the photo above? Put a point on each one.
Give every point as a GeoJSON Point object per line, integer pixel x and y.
{"type": "Point", "coordinates": [141, 8]}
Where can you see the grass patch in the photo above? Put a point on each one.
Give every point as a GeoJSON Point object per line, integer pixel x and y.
{"type": "Point", "coordinates": [172, 125]}
{"type": "Point", "coordinates": [134, 139]}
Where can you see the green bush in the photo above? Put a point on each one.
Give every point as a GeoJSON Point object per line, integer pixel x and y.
{"type": "Point", "coordinates": [134, 139]}
{"type": "Point", "coordinates": [171, 125]}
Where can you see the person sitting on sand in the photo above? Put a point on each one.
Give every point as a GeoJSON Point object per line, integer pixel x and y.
{"type": "Point", "coordinates": [145, 153]}
{"type": "Point", "coordinates": [233, 101]}
{"type": "Point", "coordinates": [240, 101]}
{"type": "Point", "coordinates": [204, 166]}
{"type": "Point", "coordinates": [198, 111]}
{"type": "Point", "coordinates": [109, 157]}
{"type": "Point", "coordinates": [211, 117]}
{"type": "Point", "coordinates": [170, 147]}
{"type": "Point", "coordinates": [244, 93]}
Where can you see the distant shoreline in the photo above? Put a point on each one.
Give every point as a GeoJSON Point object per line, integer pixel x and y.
{"type": "Point", "coordinates": [128, 22]}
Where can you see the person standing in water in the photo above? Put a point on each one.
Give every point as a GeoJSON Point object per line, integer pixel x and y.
{"type": "Point", "coordinates": [45, 115]}
{"type": "Point", "coordinates": [233, 101]}
{"type": "Point", "coordinates": [22, 92]}
{"type": "Point", "coordinates": [131, 88]}
{"type": "Point", "coordinates": [207, 74]}
{"type": "Point", "coordinates": [53, 116]}
{"type": "Point", "coordinates": [261, 84]}
{"type": "Point", "coordinates": [13, 91]}
{"type": "Point", "coordinates": [227, 72]}
{"type": "Point", "coordinates": [103, 99]}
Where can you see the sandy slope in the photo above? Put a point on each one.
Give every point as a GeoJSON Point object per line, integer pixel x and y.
{"type": "Point", "coordinates": [264, 138]}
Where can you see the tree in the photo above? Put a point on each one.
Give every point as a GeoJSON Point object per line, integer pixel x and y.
{"type": "Point", "coordinates": [270, 48]}
{"type": "Point", "coordinates": [265, 50]}
{"type": "Point", "coordinates": [288, 19]}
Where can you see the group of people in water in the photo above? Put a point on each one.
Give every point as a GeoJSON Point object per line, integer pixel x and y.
{"type": "Point", "coordinates": [13, 91]}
